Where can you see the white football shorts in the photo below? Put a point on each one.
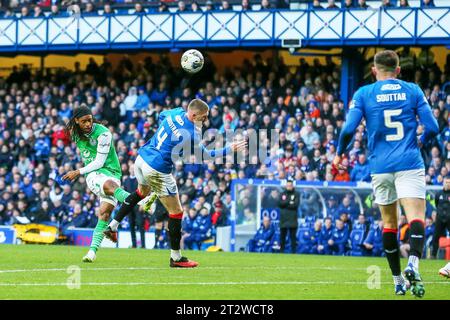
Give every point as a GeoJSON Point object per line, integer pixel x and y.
{"type": "Point", "coordinates": [389, 187]}
{"type": "Point", "coordinates": [95, 181]}
{"type": "Point", "coordinates": [163, 184]}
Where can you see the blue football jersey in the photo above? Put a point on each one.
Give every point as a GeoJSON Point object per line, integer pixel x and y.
{"type": "Point", "coordinates": [390, 108]}
{"type": "Point", "coordinates": [176, 134]}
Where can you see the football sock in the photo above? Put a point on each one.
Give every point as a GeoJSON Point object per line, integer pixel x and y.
{"type": "Point", "coordinates": [120, 194]}
{"type": "Point", "coordinates": [175, 231]}
{"type": "Point", "coordinates": [114, 224]}
{"type": "Point", "coordinates": [416, 241]}
{"type": "Point", "coordinates": [175, 254]}
{"type": "Point", "coordinates": [398, 280]}
{"type": "Point", "coordinates": [128, 204]}
{"type": "Point", "coordinates": [390, 245]}
{"type": "Point", "coordinates": [97, 237]}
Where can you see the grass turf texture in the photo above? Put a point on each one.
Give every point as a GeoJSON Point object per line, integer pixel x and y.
{"type": "Point", "coordinates": [40, 272]}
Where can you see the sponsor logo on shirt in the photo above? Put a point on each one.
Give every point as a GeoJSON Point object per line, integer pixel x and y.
{"type": "Point", "coordinates": [390, 86]}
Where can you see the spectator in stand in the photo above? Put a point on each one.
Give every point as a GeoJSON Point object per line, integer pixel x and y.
{"type": "Point", "coordinates": [139, 9]}
{"type": "Point", "coordinates": [348, 4]}
{"type": "Point", "coordinates": [316, 4]}
{"type": "Point", "coordinates": [226, 6]}
{"type": "Point", "coordinates": [403, 4]}
{"type": "Point", "coordinates": [332, 206]}
{"type": "Point", "coordinates": [246, 6]}
{"type": "Point", "coordinates": [326, 234]}
{"type": "Point", "coordinates": [332, 4]}
{"type": "Point", "coordinates": [163, 7]}
{"type": "Point", "coordinates": [37, 12]}
{"type": "Point", "coordinates": [338, 242]}
{"type": "Point", "coordinates": [348, 207]}
{"type": "Point", "coordinates": [341, 174]}
{"type": "Point", "coordinates": [89, 10]}
{"type": "Point", "coordinates": [182, 7]}
{"type": "Point", "coordinates": [25, 12]}
{"type": "Point", "coordinates": [373, 244]}
{"type": "Point", "coordinates": [195, 7]}
{"type": "Point", "coordinates": [315, 234]}
{"type": "Point", "coordinates": [262, 239]}
{"type": "Point", "coordinates": [428, 4]}
{"type": "Point", "coordinates": [362, 4]}
{"type": "Point", "coordinates": [189, 225]}
{"type": "Point", "coordinates": [361, 171]}
{"type": "Point", "coordinates": [210, 6]}
{"type": "Point", "coordinates": [386, 4]}
{"type": "Point", "coordinates": [108, 10]}
{"type": "Point", "coordinates": [265, 5]}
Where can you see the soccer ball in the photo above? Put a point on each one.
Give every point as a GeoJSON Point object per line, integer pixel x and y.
{"type": "Point", "coordinates": [192, 61]}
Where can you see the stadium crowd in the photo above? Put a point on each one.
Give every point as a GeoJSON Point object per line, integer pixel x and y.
{"type": "Point", "coordinates": [39, 8]}
{"type": "Point", "coordinates": [303, 104]}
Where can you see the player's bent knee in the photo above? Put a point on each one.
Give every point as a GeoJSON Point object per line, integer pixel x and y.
{"type": "Point", "coordinates": [109, 187]}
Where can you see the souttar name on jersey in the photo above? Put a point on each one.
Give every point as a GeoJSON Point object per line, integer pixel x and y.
{"type": "Point", "coordinates": [388, 97]}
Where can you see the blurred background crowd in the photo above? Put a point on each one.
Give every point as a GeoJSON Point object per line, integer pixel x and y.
{"type": "Point", "coordinates": [58, 8]}
{"type": "Point", "coordinates": [304, 105]}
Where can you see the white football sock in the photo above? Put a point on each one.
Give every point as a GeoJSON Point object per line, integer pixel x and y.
{"type": "Point", "coordinates": [114, 225]}
{"type": "Point", "coordinates": [414, 261]}
{"type": "Point", "coordinates": [398, 280]}
{"type": "Point", "coordinates": [175, 255]}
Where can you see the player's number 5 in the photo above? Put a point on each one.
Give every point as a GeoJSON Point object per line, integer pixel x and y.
{"type": "Point", "coordinates": [161, 135]}
{"type": "Point", "coordinates": [388, 114]}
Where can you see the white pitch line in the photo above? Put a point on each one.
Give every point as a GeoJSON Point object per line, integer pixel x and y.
{"type": "Point", "coordinates": [202, 283]}
{"type": "Point", "coordinates": [200, 268]}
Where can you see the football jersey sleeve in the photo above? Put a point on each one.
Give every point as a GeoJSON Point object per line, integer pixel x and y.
{"type": "Point", "coordinates": [354, 117]}
{"type": "Point", "coordinates": [213, 153]}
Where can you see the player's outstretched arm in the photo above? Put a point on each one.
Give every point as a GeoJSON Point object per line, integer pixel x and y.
{"type": "Point", "coordinates": [352, 122]}
{"type": "Point", "coordinates": [233, 147]}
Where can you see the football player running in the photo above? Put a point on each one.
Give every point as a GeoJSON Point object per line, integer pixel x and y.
{"type": "Point", "coordinates": [390, 108]}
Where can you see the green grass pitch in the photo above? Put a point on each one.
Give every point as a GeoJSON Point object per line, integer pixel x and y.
{"type": "Point", "coordinates": [41, 272]}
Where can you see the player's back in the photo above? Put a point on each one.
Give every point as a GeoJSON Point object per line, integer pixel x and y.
{"type": "Point", "coordinates": [173, 128]}
{"type": "Point", "coordinates": [390, 109]}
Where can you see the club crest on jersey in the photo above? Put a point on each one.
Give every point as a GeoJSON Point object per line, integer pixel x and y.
{"type": "Point", "coordinates": [92, 141]}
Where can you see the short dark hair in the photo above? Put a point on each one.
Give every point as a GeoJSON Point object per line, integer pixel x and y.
{"type": "Point", "coordinates": [386, 60]}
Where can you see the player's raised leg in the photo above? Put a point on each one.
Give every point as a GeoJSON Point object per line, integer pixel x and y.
{"type": "Point", "coordinates": [128, 204]}
{"type": "Point", "coordinates": [132, 199]}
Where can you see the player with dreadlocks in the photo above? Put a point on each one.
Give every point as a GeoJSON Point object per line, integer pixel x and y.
{"type": "Point", "coordinates": [102, 167]}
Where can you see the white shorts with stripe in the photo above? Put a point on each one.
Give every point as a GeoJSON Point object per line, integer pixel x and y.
{"type": "Point", "coordinates": [163, 184]}
{"type": "Point", "coordinates": [95, 181]}
{"type": "Point", "coordinates": [389, 187]}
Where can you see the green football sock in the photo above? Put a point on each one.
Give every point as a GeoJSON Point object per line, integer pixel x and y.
{"type": "Point", "coordinates": [120, 194]}
{"type": "Point", "coordinates": [98, 235]}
